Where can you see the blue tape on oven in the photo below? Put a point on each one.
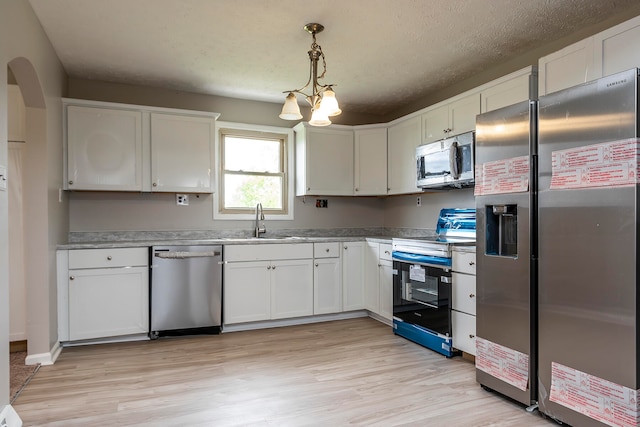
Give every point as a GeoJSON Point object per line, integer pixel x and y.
{"type": "Point", "coordinates": [421, 259]}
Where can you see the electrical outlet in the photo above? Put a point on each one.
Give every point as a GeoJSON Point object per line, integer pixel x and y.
{"type": "Point", "coordinates": [321, 203]}
{"type": "Point", "coordinates": [182, 199]}
{"type": "Point", "coordinates": [419, 201]}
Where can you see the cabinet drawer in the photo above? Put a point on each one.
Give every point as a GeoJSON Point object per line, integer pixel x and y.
{"type": "Point", "coordinates": [326, 250]}
{"type": "Point", "coordinates": [464, 262]}
{"type": "Point", "coordinates": [463, 293]}
{"type": "Point", "coordinates": [385, 251]}
{"type": "Point", "coordinates": [268, 252]}
{"type": "Point", "coordinates": [464, 332]}
{"type": "Point", "coordinates": [106, 258]}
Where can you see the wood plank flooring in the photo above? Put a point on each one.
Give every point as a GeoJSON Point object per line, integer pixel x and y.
{"type": "Point", "coordinates": [348, 372]}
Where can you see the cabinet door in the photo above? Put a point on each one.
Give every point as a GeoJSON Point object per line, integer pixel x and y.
{"type": "Point", "coordinates": [353, 276]}
{"type": "Point", "coordinates": [506, 93]}
{"type": "Point", "coordinates": [404, 138]}
{"type": "Point", "coordinates": [108, 302]}
{"type": "Point", "coordinates": [247, 292]}
{"type": "Point", "coordinates": [327, 286]}
{"type": "Point", "coordinates": [291, 289]}
{"type": "Point", "coordinates": [386, 289]}
{"type": "Point", "coordinates": [565, 68]}
{"type": "Point", "coordinates": [328, 162]}
{"type": "Point", "coordinates": [618, 48]}
{"type": "Point", "coordinates": [435, 124]}
{"type": "Point", "coordinates": [463, 328]}
{"type": "Point", "coordinates": [181, 153]}
{"type": "Point", "coordinates": [462, 114]}
{"type": "Point", "coordinates": [370, 165]}
{"type": "Point", "coordinates": [104, 149]}
{"type": "Point", "coordinates": [372, 277]}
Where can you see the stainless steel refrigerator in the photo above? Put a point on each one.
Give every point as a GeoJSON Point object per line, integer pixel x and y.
{"type": "Point", "coordinates": [505, 279]}
{"type": "Point", "coordinates": [588, 253]}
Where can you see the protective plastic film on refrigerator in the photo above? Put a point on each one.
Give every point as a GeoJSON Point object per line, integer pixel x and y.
{"type": "Point", "coordinates": [505, 280]}
{"type": "Point", "coordinates": [588, 253]}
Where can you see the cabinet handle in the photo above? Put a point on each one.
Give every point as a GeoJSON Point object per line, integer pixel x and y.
{"type": "Point", "coordinates": [356, 188]}
{"type": "Point", "coordinates": [379, 265]}
{"type": "Point", "coordinates": [72, 277]}
{"type": "Point", "coordinates": [346, 247]}
{"type": "Point", "coordinates": [472, 295]}
{"type": "Point", "coordinates": [109, 258]}
{"type": "Point", "coordinates": [472, 263]}
{"type": "Point", "coordinates": [308, 188]}
{"type": "Point", "coordinates": [387, 252]}
{"type": "Point", "coordinates": [317, 264]}
{"type": "Point", "coordinates": [273, 267]}
{"type": "Point", "coordinates": [155, 184]}
{"type": "Point", "coordinates": [268, 267]}
{"type": "Point", "coordinates": [388, 188]}
{"type": "Point", "coordinates": [471, 336]}
{"type": "Point", "coordinates": [70, 182]}
{"type": "Point", "coordinates": [327, 249]}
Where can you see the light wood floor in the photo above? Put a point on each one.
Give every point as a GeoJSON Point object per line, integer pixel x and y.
{"type": "Point", "coordinates": [350, 372]}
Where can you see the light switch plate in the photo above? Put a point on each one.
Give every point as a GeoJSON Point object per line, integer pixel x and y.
{"type": "Point", "coordinates": [3, 178]}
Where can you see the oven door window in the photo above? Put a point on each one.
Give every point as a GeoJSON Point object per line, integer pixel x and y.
{"type": "Point", "coordinates": [422, 295]}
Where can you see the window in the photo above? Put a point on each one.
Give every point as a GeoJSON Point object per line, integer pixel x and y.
{"type": "Point", "coordinates": [253, 169]}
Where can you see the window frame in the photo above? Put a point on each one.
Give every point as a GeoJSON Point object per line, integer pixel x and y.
{"type": "Point", "coordinates": [287, 159]}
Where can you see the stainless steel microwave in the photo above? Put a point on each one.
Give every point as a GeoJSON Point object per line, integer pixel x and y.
{"type": "Point", "coordinates": [448, 163]}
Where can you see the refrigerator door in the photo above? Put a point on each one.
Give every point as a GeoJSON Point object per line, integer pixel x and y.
{"type": "Point", "coordinates": [588, 325]}
{"type": "Point", "coordinates": [504, 316]}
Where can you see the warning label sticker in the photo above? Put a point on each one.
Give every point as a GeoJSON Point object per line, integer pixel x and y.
{"type": "Point", "coordinates": [504, 363]}
{"type": "Point", "coordinates": [602, 400]}
{"type": "Point", "coordinates": [609, 164]}
{"type": "Point", "coordinates": [502, 176]}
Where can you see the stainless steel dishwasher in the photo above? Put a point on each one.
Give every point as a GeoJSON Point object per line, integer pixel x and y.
{"type": "Point", "coordinates": [186, 290]}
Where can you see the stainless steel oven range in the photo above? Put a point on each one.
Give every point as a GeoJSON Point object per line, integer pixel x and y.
{"type": "Point", "coordinates": [422, 284]}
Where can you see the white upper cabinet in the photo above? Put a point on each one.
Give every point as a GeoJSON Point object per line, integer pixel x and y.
{"type": "Point", "coordinates": [608, 52]}
{"type": "Point", "coordinates": [511, 89]}
{"type": "Point", "coordinates": [370, 162]}
{"type": "Point", "coordinates": [450, 118]}
{"type": "Point", "coordinates": [404, 138]}
{"type": "Point", "coordinates": [121, 147]}
{"type": "Point", "coordinates": [181, 153]}
{"type": "Point", "coordinates": [104, 149]}
{"type": "Point", "coordinates": [324, 161]}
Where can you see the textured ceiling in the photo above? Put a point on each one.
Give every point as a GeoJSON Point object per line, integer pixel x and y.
{"type": "Point", "coordinates": [381, 54]}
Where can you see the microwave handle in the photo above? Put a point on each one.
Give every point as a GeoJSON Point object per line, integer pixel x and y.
{"type": "Point", "coordinates": [454, 160]}
{"type": "Point", "coordinates": [420, 167]}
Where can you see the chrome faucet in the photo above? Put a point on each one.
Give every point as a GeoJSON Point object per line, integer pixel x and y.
{"type": "Point", "coordinates": [260, 217]}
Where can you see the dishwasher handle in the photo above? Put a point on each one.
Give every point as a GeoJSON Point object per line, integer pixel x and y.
{"type": "Point", "coordinates": [185, 254]}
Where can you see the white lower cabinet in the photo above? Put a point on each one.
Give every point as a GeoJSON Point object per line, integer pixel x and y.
{"type": "Point", "coordinates": [353, 276]}
{"type": "Point", "coordinates": [267, 282]}
{"type": "Point", "coordinates": [463, 299]}
{"type": "Point", "coordinates": [103, 293]}
{"type": "Point", "coordinates": [379, 279]}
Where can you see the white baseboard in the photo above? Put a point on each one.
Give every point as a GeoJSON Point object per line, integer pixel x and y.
{"type": "Point", "coordinates": [44, 358]}
{"type": "Point", "coordinates": [10, 417]}
{"type": "Point", "coordinates": [295, 321]}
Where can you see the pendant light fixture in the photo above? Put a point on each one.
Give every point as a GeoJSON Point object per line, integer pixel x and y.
{"type": "Point", "coordinates": [322, 99]}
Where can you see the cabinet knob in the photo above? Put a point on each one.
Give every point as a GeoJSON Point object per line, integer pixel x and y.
{"type": "Point", "coordinates": [273, 267]}
{"type": "Point", "coordinates": [317, 264]}
{"type": "Point", "coordinates": [268, 267]}
{"type": "Point", "coordinates": [388, 188]}
{"type": "Point", "coordinates": [70, 182]}
{"type": "Point", "coordinates": [379, 265]}
{"type": "Point", "coordinates": [472, 295]}
{"type": "Point", "coordinates": [308, 188]}
{"type": "Point", "coordinates": [356, 188]}
{"type": "Point", "coordinates": [471, 336]}
{"type": "Point", "coordinates": [472, 263]}
{"type": "Point", "coordinates": [346, 247]}
{"type": "Point", "coordinates": [72, 277]}
{"type": "Point", "coordinates": [109, 258]}
{"type": "Point", "coordinates": [327, 249]}
{"type": "Point", "coordinates": [155, 184]}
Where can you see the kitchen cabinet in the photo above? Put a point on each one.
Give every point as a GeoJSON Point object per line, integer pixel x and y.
{"type": "Point", "coordinates": [463, 299]}
{"type": "Point", "coordinates": [379, 280]}
{"type": "Point", "coordinates": [122, 147]}
{"type": "Point", "coordinates": [327, 278]}
{"type": "Point", "coordinates": [370, 161]}
{"type": "Point", "coordinates": [353, 276]}
{"type": "Point", "coordinates": [404, 138]}
{"type": "Point", "coordinates": [103, 293]}
{"type": "Point", "coordinates": [450, 118]}
{"type": "Point", "coordinates": [104, 149]}
{"type": "Point", "coordinates": [267, 282]}
{"type": "Point", "coordinates": [181, 153]}
{"type": "Point", "coordinates": [511, 89]}
{"type": "Point", "coordinates": [611, 51]}
{"type": "Point", "coordinates": [324, 160]}
{"type": "Point", "coordinates": [16, 115]}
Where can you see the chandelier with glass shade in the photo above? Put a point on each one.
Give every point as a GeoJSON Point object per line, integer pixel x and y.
{"type": "Point", "coordinates": [322, 98]}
